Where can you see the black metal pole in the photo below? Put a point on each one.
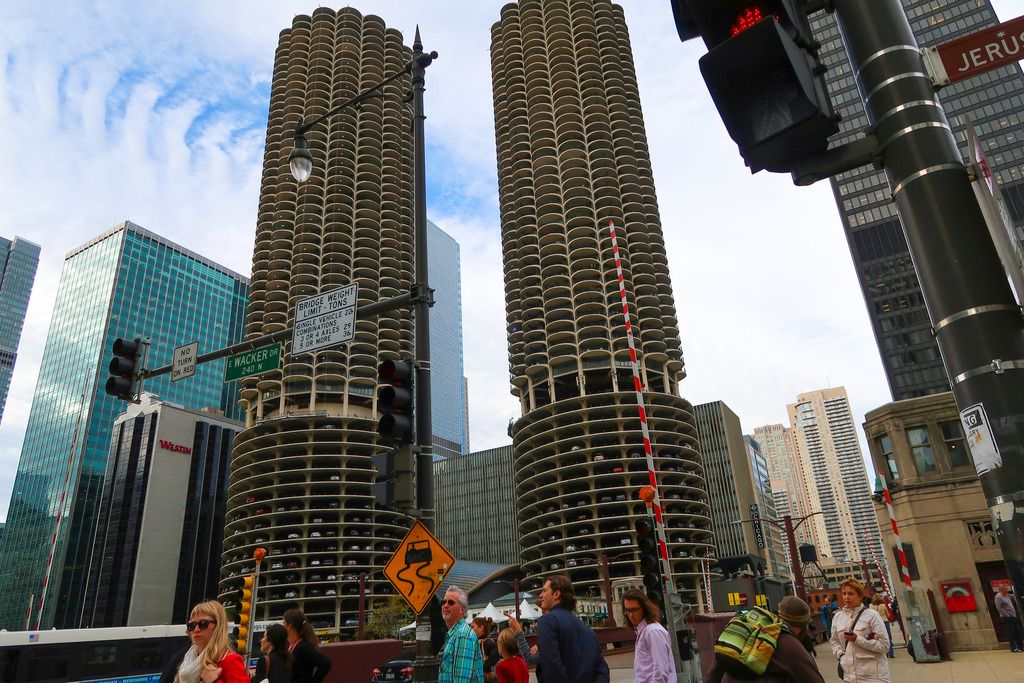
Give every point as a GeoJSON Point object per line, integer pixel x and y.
{"type": "Point", "coordinates": [976, 321]}
{"type": "Point", "coordinates": [426, 665]}
{"type": "Point", "coordinates": [361, 632]}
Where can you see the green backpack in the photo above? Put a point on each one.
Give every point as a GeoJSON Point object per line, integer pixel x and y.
{"type": "Point", "coordinates": [747, 643]}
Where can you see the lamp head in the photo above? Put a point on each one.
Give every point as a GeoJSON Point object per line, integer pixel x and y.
{"type": "Point", "coordinates": [300, 161]}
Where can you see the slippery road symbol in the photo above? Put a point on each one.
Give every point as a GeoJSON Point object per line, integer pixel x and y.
{"type": "Point", "coordinates": [418, 566]}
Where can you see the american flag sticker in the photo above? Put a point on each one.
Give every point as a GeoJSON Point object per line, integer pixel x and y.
{"type": "Point", "coordinates": [33, 637]}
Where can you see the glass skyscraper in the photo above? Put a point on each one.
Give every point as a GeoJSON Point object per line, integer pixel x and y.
{"type": "Point", "coordinates": [128, 282]}
{"type": "Point", "coordinates": [992, 102]}
{"type": "Point", "coordinates": [18, 261]}
{"type": "Point", "coordinates": [447, 386]}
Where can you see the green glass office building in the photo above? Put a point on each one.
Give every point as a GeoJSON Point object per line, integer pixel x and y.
{"type": "Point", "coordinates": [18, 261]}
{"type": "Point", "coordinates": [128, 282]}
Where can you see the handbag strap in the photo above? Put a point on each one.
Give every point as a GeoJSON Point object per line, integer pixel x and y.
{"type": "Point", "coordinates": [857, 619]}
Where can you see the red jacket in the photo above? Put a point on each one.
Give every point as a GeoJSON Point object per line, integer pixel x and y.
{"type": "Point", "coordinates": [232, 669]}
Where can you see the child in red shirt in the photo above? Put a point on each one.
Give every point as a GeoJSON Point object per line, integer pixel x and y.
{"type": "Point", "coordinates": [512, 668]}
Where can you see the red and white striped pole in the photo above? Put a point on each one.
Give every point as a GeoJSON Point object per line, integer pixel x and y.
{"type": "Point", "coordinates": [651, 497]}
{"type": "Point", "coordinates": [878, 565]}
{"type": "Point", "coordinates": [920, 625]}
{"type": "Point", "coordinates": [904, 569]}
{"type": "Point", "coordinates": [659, 522]}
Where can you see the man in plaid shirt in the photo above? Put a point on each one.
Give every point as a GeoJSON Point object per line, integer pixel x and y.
{"type": "Point", "coordinates": [461, 660]}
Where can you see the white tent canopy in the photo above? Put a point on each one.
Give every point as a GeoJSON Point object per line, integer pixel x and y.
{"type": "Point", "coordinates": [528, 611]}
{"type": "Point", "coordinates": [491, 612]}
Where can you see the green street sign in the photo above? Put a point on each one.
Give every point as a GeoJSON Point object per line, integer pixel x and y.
{"type": "Point", "coordinates": [253, 362]}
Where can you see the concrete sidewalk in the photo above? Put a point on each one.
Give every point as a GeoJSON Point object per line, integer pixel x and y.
{"type": "Point", "coordinates": [999, 666]}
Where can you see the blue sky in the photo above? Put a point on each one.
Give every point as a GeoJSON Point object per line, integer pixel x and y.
{"type": "Point", "coordinates": [156, 111]}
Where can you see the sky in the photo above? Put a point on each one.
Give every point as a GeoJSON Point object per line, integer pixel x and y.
{"type": "Point", "coordinates": [156, 112]}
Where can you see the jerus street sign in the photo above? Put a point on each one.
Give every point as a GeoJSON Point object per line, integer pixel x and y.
{"type": "Point", "coordinates": [975, 53]}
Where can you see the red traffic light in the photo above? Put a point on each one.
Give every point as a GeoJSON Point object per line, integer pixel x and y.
{"type": "Point", "coordinates": [745, 19]}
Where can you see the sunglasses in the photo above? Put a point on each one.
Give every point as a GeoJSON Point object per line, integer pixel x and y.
{"type": "Point", "coordinates": [633, 610]}
{"type": "Point", "coordinates": [203, 624]}
{"type": "Point", "coordinates": [449, 603]}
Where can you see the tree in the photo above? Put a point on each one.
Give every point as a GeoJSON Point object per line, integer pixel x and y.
{"type": "Point", "coordinates": [385, 620]}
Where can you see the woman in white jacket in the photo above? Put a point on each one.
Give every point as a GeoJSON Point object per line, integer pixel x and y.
{"type": "Point", "coordinates": [859, 639]}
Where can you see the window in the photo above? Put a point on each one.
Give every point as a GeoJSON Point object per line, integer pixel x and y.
{"type": "Point", "coordinates": [48, 665]}
{"type": "Point", "coordinates": [953, 437]}
{"type": "Point", "coordinates": [924, 458]}
{"type": "Point", "coordinates": [99, 660]}
{"type": "Point", "coordinates": [885, 448]}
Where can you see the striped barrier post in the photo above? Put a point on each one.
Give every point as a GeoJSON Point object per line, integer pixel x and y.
{"type": "Point", "coordinates": [904, 569]}
{"type": "Point", "coordinates": [920, 626]}
{"type": "Point", "coordinates": [659, 522]}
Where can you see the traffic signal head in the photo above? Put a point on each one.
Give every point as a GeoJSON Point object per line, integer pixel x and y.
{"type": "Point", "coordinates": [395, 401]}
{"type": "Point", "coordinates": [650, 562]}
{"type": "Point", "coordinates": [125, 368]}
{"type": "Point", "coordinates": [244, 613]}
{"type": "Point", "coordinates": [396, 478]}
{"type": "Point", "coordinates": [763, 73]}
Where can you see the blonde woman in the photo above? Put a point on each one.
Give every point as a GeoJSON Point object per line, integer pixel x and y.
{"type": "Point", "coordinates": [210, 659]}
{"type": "Point", "coordinates": [859, 639]}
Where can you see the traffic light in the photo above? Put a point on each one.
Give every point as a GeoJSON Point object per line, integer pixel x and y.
{"type": "Point", "coordinates": [395, 401]}
{"type": "Point", "coordinates": [244, 613]}
{"type": "Point", "coordinates": [125, 368]}
{"type": "Point", "coordinates": [650, 561]}
{"type": "Point", "coordinates": [763, 73]}
{"type": "Point", "coordinates": [396, 478]}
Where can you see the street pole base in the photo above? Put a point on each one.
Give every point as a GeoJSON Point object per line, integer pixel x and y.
{"type": "Point", "coordinates": [426, 669]}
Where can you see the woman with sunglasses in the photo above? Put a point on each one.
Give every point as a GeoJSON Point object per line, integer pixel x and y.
{"type": "Point", "coordinates": [210, 658]}
{"type": "Point", "coordinates": [309, 665]}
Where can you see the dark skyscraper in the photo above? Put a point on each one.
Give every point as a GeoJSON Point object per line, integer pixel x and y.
{"type": "Point", "coordinates": [992, 102]}
{"type": "Point", "coordinates": [160, 520]}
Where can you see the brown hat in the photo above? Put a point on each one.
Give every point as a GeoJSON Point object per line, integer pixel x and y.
{"type": "Point", "coordinates": [794, 611]}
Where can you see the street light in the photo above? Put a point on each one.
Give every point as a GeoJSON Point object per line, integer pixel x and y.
{"type": "Point", "coordinates": [300, 162]}
{"type": "Point", "coordinates": [789, 528]}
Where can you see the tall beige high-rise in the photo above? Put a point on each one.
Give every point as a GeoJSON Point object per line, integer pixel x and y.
{"type": "Point", "coordinates": [301, 470]}
{"type": "Point", "coordinates": [834, 475]}
{"type": "Point", "coordinates": [572, 155]}
{"type": "Point", "coordinates": [778, 446]}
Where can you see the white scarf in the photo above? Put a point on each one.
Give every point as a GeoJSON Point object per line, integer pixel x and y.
{"type": "Point", "coordinates": [189, 669]}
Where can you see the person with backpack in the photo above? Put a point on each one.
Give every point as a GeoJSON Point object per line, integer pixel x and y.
{"type": "Point", "coordinates": [482, 627]}
{"type": "Point", "coordinates": [791, 661]}
{"type": "Point", "coordinates": [275, 666]}
{"type": "Point", "coordinates": [859, 640]}
{"type": "Point", "coordinates": [878, 604]}
{"type": "Point", "coordinates": [827, 608]}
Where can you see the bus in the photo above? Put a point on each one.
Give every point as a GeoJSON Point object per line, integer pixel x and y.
{"type": "Point", "coordinates": [130, 654]}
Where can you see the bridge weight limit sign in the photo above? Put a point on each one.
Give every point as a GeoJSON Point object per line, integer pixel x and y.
{"type": "Point", "coordinates": [418, 567]}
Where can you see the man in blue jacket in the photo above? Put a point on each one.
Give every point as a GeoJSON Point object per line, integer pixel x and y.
{"type": "Point", "coordinates": [567, 648]}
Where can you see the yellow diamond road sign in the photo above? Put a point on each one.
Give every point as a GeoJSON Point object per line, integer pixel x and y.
{"type": "Point", "coordinates": [418, 566]}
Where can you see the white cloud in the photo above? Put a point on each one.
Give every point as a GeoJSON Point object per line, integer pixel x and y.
{"type": "Point", "coordinates": [154, 112]}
